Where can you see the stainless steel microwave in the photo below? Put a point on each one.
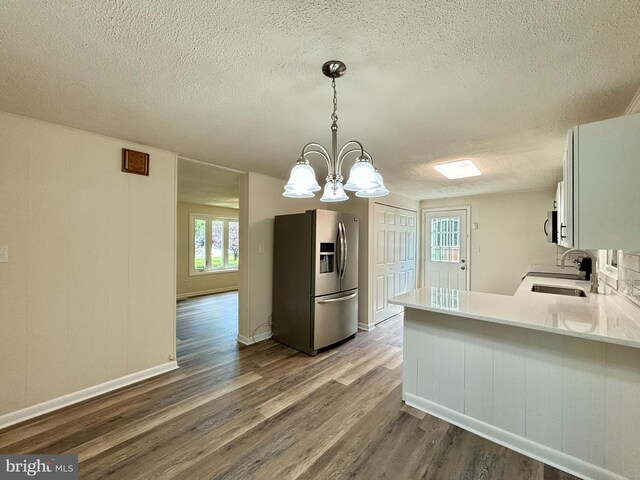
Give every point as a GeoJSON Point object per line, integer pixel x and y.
{"type": "Point", "coordinates": [551, 226]}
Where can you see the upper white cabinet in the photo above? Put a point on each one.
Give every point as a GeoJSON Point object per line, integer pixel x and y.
{"type": "Point", "coordinates": [600, 192]}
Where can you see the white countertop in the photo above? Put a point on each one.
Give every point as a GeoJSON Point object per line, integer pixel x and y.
{"type": "Point", "coordinates": [601, 317]}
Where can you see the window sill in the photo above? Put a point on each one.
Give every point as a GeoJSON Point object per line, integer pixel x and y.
{"type": "Point", "coordinates": [213, 272]}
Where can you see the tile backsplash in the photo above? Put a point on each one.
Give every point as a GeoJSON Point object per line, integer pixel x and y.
{"type": "Point", "coordinates": [625, 279]}
{"type": "Point", "coordinates": [629, 275]}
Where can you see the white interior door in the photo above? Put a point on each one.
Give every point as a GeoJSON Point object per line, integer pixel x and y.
{"type": "Point", "coordinates": [445, 256]}
{"type": "Point", "coordinates": [395, 254]}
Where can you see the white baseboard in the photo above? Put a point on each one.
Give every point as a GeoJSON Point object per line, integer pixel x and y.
{"type": "Point", "coordinates": [182, 296]}
{"type": "Point", "coordinates": [367, 327]}
{"type": "Point", "coordinates": [527, 447]}
{"type": "Point", "coordinates": [81, 395]}
{"type": "Point", "coordinates": [259, 337]}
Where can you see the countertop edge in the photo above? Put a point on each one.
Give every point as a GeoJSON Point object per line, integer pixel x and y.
{"type": "Point", "coordinates": [515, 323]}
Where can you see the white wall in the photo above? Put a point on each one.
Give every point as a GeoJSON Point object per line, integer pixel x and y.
{"type": "Point", "coordinates": [509, 235]}
{"type": "Point", "coordinates": [260, 201]}
{"type": "Point", "coordinates": [207, 283]}
{"type": "Point", "coordinates": [88, 294]}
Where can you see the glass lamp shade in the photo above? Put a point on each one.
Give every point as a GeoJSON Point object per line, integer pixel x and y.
{"type": "Point", "coordinates": [375, 192]}
{"type": "Point", "coordinates": [334, 194]}
{"type": "Point", "coordinates": [289, 193]}
{"type": "Point", "coordinates": [302, 178]}
{"type": "Point", "coordinates": [362, 177]}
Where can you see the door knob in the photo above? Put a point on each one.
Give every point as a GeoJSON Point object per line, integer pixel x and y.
{"type": "Point", "coordinates": [462, 261]}
{"type": "Point", "coordinates": [463, 267]}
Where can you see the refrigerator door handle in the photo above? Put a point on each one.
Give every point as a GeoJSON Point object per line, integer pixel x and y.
{"type": "Point", "coordinates": [341, 299]}
{"type": "Point", "coordinates": [340, 259]}
{"type": "Point", "coordinates": [339, 253]}
{"type": "Point", "coordinates": [345, 250]}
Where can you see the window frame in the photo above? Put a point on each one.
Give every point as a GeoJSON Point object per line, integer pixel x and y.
{"type": "Point", "coordinates": [209, 219]}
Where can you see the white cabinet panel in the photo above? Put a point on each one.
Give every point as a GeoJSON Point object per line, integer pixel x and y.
{"type": "Point", "coordinates": [600, 185]}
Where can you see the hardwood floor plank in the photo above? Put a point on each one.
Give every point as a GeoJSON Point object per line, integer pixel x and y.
{"type": "Point", "coordinates": [95, 446]}
{"type": "Point", "coordinates": [267, 411]}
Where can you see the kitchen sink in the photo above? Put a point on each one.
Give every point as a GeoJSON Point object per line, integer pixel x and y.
{"type": "Point", "coordinates": [571, 292]}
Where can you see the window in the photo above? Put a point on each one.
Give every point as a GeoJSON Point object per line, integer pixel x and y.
{"type": "Point", "coordinates": [445, 239]}
{"type": "Point", "coordinates": [214, 244]}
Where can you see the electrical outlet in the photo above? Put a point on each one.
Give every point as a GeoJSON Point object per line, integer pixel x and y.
{"type": "Point", "coordinates": [4, 253]}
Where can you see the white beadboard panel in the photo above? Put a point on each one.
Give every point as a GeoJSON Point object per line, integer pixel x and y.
{"type": "Point", "coordinates": [410, 363]}
{"type": "Point", "coordinates": [572, 402]}
{"type": "Point", "coordinates": [90, 300]}
{"type": "Point", "coordinates": [105, 258]}
{"type": "Point", "coordinates": [584, 398]}
{"type": "Point", "coordinates": [48, 266]}
{"type": "Point", "coordinates": [544, 388]}
{"type": "Point", "coordinates": [87, 338]}
{"type": "Point", "coordinates": [478, 370]}
{"type": "Point", "coordinates": [115, 211]}
{"type": "Point", "coordinates": [13, 275]}
{"type": "Point", "coordinates": [450, 374]}
{"type": "Point", "coordinates": [509, 380]}
{"type": "Point", "coordinates": [622, 425]}
{"type": "Point", "coordinates": [426, 358]}
{"type": "Point", "coordinates": [149, 312]}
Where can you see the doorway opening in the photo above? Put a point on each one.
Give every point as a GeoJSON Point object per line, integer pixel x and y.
{"type": "Point", "coordinates": [446, 248]}
{"type": "Point", "coordinates": [207, 258]}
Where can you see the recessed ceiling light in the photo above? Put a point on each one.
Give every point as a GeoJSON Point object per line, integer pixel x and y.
{"type": "Point", "coordinates": [459, 169]}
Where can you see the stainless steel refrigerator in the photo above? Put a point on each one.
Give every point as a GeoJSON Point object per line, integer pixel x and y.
{"type": "Point", "coordinates": [315, 279]}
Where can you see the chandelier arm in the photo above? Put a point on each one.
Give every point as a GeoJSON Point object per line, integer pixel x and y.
{"type": "Point", "coordinates": [344, 153]}
{"type": "Point", "coordinates": [322, 152]}
{"type": "Point", "coordinates": [314, 144]}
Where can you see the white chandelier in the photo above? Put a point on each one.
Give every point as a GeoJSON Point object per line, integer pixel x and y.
{"type": "Point", "coordinates": [364, 179]}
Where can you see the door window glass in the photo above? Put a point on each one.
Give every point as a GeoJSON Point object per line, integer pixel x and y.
{"type": "Point", "coordinates": [445, 239]}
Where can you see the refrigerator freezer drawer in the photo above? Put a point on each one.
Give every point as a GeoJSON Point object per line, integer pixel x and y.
{"type": "Point", "coordinates": [335, 318]}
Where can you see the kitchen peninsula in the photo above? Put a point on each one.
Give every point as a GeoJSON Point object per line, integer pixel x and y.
{"type": "Point", "coordinates": [554, 377]}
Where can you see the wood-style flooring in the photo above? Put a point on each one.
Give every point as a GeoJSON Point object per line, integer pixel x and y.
{"type": "Point", "coordinates": [267, 412]}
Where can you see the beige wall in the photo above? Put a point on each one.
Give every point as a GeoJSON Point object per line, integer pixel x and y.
{"type": "Point", "coordinates": [207, 283]}
{"type": "Point", "coordinates": [260, 201]}
{"type": "Point", "coordinates": [88, 294]}
{"type": "Point", "coordinates": [509, 235]}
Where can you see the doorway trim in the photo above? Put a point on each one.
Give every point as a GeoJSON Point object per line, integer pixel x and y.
{"type": "Point", "coordinates": [242, 214]}
{"type": "Point", "coordinates": [426, 231]}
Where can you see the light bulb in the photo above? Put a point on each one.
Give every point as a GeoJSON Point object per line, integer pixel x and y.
{"type": "Point", "coordinates": [334, 194]}
{"type": "Point", "coordinates": [302, 178]}
{"type": "Point", "coordinates": [374, 192]}
{"type": "Point", "coordinates": [362, 176]}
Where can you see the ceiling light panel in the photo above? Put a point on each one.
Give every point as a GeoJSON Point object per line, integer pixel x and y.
{"type": "Point", "coordinates": [460, 169]}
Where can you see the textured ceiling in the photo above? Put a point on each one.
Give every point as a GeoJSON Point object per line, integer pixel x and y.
{"type": "Point", "coordinates": [239, 83]}
{"type": "Point", "coordinates": [207, 185]}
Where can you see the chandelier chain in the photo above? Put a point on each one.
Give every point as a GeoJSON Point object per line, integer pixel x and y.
{"type": "Point", "coordinates": [334, 116]}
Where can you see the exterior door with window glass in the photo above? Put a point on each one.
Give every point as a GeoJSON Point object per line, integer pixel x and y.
{"type": "Point", "coordinates": [445, 261]}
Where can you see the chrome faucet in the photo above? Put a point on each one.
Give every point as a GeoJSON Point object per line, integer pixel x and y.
{"type": "Point", "coordinates": [594, 270]}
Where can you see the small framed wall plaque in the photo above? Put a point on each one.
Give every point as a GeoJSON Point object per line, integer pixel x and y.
{"type": "Point", "coordinates": [135, 162]}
